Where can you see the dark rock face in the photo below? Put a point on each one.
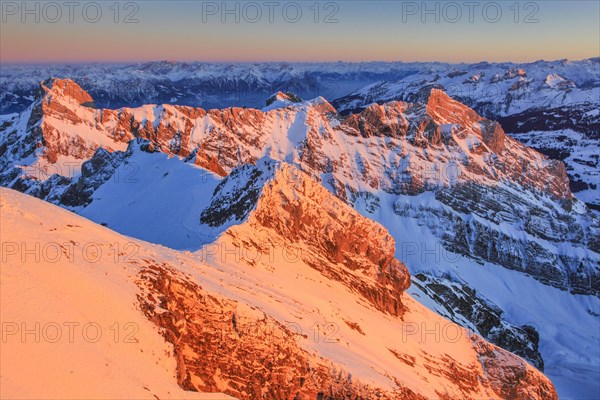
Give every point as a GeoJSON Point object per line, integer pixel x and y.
{"type": "Point", "coordinates": [564, 133]}
{"type": "Point", "coordinates": [235, 196]}
{"type": "Point", "coordinates": [460, 301]}
{"type": "Point", "coordinates": [493, 136]}
{"type": "Point", "coordinates": [70, 192]}
{"type": "Point", "coordinates": [94, 173]}
{"type": "Point", "coordinates": [580, 117]}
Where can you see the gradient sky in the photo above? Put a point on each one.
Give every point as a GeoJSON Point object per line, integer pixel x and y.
{"type": "Point", "coordinates": [365, 30]}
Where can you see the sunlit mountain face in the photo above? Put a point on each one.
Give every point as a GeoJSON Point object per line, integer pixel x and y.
{"type": "Point", "coordinates": [228, 227]}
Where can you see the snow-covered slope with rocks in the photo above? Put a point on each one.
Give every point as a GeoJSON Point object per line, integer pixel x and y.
{"type": "Point", "coordinates": [269, 326]}
{"type": "Point", "coordinates": [550, 106]}
{"type": "Point", "coordinates": [437, 175]}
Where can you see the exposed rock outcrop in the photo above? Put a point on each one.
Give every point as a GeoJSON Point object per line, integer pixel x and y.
{"type": "Point", "coordinates": [332, 237]}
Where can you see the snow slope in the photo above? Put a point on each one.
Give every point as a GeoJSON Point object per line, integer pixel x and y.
{"type": "Point", "coordinates": [70, 326]}
{"type": "Point", "coordinates": [154, 206]}
{"type": "Point", "coordinates": [367, 348]}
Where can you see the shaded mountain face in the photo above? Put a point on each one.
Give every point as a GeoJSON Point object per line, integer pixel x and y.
{"type": "Point", "coordinates": [242, 326]}
{"type": "Point", "coordinates": [434, 173]}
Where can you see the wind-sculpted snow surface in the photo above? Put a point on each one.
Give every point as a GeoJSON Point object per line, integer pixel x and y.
{"type": "Point", "coordinates": [242, 327]}
{"type": "Point", "coordinates": [433, 172]}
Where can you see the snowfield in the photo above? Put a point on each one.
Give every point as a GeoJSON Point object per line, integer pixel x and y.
{"type": "Point", "coordinates": [70, 325]}
{"type": "Point", "coordinates": [89, 284]}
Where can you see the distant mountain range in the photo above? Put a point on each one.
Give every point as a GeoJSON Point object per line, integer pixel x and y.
{"type": "Point", "coordinates": [207, 85]}
{"type": "Point", "coordinates": [551, 106]}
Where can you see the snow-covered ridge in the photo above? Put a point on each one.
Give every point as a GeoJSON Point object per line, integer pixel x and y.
{"type": "Point", "coordinates": [227, 325]}
{"type": "Point", "coordinates": [281, 199]}
{"type": "Point", "coordinates": [531, 101]}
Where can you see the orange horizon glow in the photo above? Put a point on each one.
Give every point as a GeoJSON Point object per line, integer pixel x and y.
{"type": "Point", "coordinates": [362, 32]}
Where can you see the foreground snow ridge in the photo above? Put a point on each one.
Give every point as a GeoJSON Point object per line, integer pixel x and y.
{"type": "Point", "coordinates": [213, 324]}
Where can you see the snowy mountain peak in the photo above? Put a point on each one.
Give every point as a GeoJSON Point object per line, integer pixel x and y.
{"type": "Point", "coordinates": [281, 99]}
{"type": "Point", "coordinates": [445, 110]}
{"type": "Point", "coordinates": [322, 106]}
{"type": "Point", "coordinates": [556, 81]}
{"type": "Point", "coordinates": [55, 89]}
